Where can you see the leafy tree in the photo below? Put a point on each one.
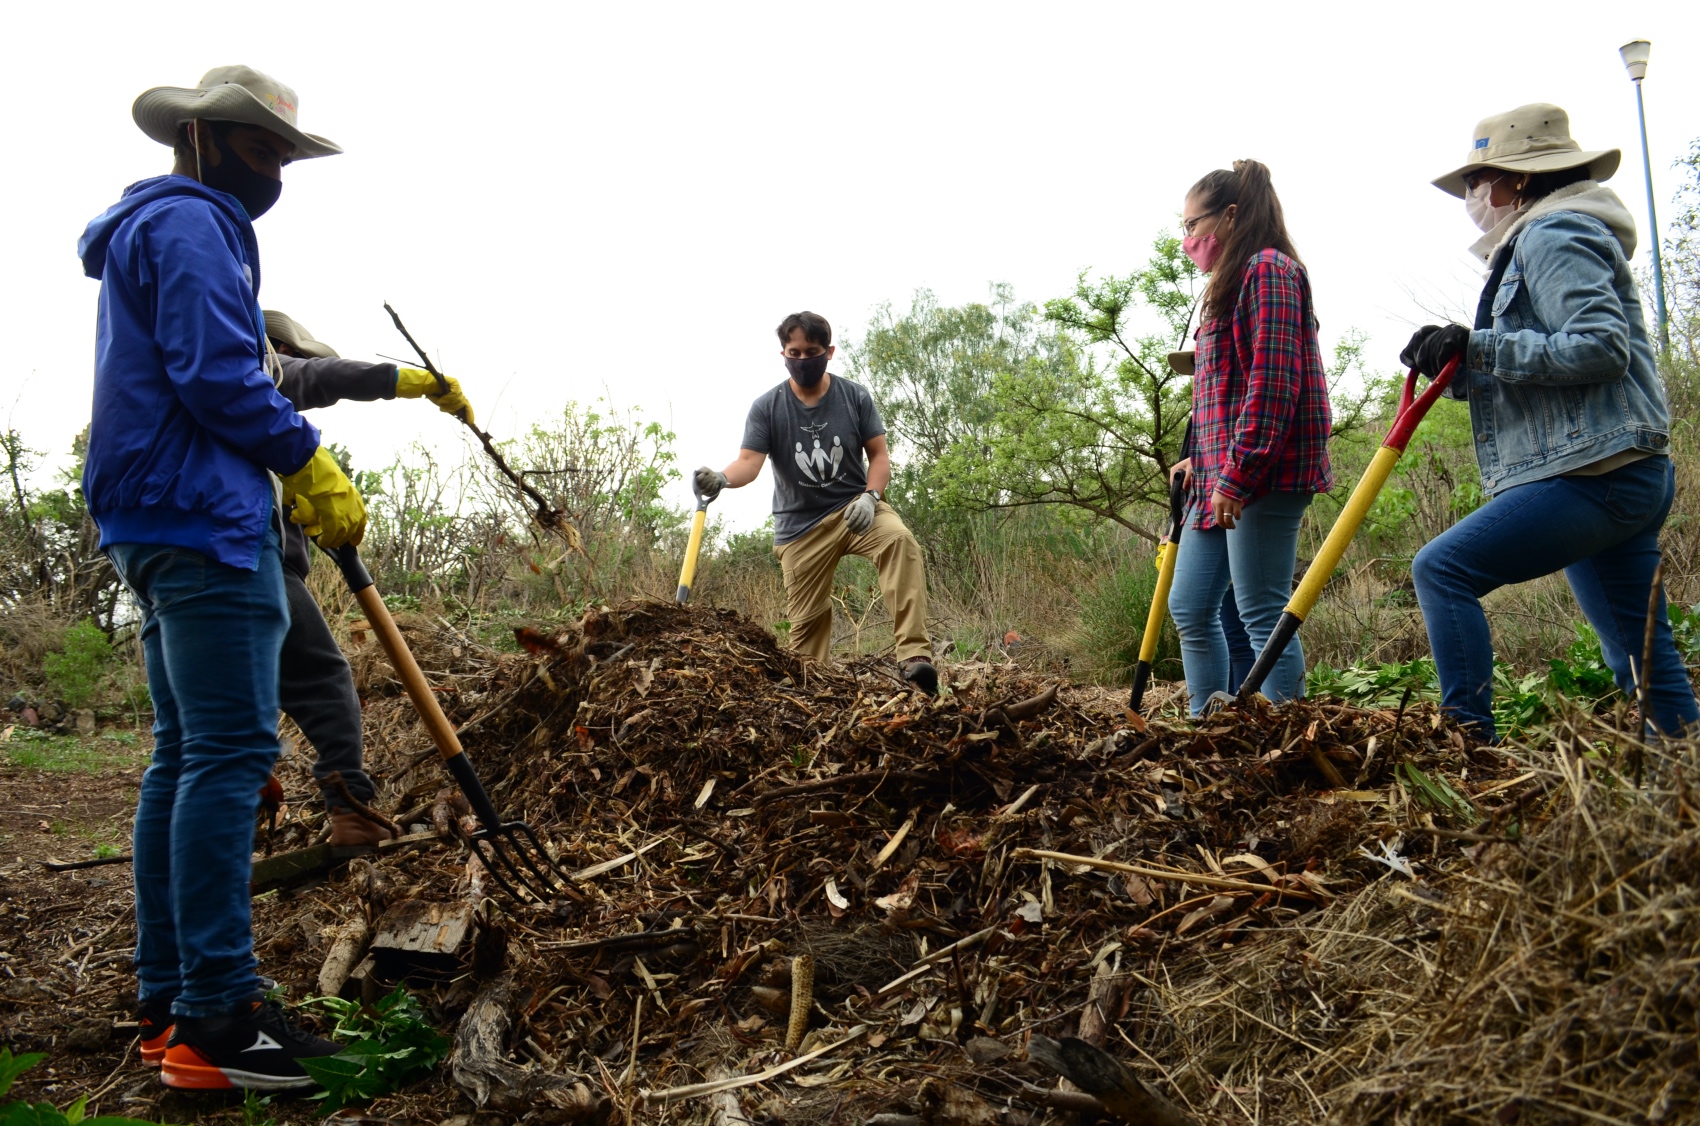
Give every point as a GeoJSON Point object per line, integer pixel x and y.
{"type": "Point", "coordinates": [932, 371]}
{"type": "Point", "coordinates": [1092, 418]}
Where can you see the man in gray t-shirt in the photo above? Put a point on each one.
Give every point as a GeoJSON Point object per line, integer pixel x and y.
{"type": "Point", "coordinates": [827, 503]}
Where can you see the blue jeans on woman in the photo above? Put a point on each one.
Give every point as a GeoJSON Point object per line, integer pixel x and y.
{"type": "Point", "coordinates": [1257, 557]}
{"type": "Point", "coordinates": [1603, 533]}
{"type": "Point", "coordinates": [211, 635]}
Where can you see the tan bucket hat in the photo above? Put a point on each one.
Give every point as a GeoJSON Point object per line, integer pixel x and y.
{"type": "Point", "coordinates": [228, 93]}
{"type": "Point", "coordinates": [1183, 363]}
{"type": "Point", "coordinates": [285, 330]}
{"type": "Point", "coordinates": [1531, 138]}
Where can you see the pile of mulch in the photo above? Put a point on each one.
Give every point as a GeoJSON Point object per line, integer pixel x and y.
{"type": "Point", "coordinates": [1295, 914]}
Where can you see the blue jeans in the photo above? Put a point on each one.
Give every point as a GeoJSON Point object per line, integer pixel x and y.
{"type": "Point", "coordinates": [1257, 557]}
{"type": "Point", "coordinates": [1241, 656]}
{"type": "Point", "coordinates": [1603, 533]}
{"type": "Point", "coordinates": [211, 635]}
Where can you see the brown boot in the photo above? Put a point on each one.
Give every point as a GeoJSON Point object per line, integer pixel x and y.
{"type": "Point", "coordinates": [349, 829]}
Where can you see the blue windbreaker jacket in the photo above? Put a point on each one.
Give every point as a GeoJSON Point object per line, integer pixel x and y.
{"type": "Point", "coordinates": [186, 419]}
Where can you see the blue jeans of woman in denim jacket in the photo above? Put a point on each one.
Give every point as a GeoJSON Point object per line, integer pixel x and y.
{"type": "Point", "coordinates": [1560, 377]}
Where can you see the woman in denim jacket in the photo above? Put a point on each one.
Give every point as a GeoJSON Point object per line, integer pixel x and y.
{"type": "Point", "coordinates": [1571, 429]}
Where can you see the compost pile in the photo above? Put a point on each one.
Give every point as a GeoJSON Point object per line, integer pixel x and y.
{"type": "Point", "coordinates": [1291, 913]}
{"type": "Point", "coordinates": [876, 902]}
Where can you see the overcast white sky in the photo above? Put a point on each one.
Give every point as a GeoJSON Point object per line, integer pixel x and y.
{"type": "Point", "coordinates": [573, 200]}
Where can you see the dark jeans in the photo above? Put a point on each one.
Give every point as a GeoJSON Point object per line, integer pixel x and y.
{"type": "Point", "coordinates": [211, 635]}
{"type": "Point", "coordinates": [1603, 533]}
{"type": "Point", "coordinates": [316, 688]}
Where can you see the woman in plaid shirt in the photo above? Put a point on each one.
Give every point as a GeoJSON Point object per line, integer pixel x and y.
{"type": "Point", "coordinates": [1260, 424]}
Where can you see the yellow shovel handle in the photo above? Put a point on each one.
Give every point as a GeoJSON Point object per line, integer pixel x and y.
{"type": "Point", "coordinates": [1340, 536]}
{"type": "Point", "coordinates": [688, 573]}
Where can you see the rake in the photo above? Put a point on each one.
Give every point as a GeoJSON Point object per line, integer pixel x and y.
{"type": "Point", "coordinates": [509, 850]}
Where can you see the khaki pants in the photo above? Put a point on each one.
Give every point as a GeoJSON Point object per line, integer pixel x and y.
{"type": "Point", "coordinates": [810, 560]}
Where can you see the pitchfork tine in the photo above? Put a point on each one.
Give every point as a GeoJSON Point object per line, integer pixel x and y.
{"type": "Point", "coordinates": [502, 868]}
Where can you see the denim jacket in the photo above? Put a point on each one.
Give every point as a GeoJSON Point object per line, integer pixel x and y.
{"type": "Point", "coordinates": [1560, 372]}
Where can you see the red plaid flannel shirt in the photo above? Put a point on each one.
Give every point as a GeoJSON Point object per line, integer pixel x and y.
{"type": "Point", "coordinates": [1260, 412]}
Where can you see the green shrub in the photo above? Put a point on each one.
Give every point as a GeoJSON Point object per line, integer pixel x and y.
{"type": "Point", "coordinates": [78, 670]}
{"type": "Point", "coordinates": [1112, 622]}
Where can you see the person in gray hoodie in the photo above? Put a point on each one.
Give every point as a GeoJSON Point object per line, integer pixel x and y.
{"type": "Point", "coordinates": [315, 684]}
{"type": "Point", "coordinates": [1572, 431]}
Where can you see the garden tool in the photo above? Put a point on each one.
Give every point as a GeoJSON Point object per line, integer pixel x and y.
{"type": "Point", "coordinates": [1160, 598]}
{"type": "Point", "coordinates": [509, 849]}
{"type": "Point", "coordinates": [1412, 409]}
{"type": "Point", "coordinates": [688, 573]}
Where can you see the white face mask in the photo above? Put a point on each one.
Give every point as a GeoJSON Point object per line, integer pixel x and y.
{"type": "Point", "coordinates": [1483, 213]}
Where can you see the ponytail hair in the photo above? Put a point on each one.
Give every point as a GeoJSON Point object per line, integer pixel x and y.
{"type": "Point", "coordinates": [1258, 226]}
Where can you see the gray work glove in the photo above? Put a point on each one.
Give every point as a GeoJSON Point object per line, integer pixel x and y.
{"type": "Point", "coordinates": [709, 482]}
{"type": "Point", "coordinates": [859, 514]}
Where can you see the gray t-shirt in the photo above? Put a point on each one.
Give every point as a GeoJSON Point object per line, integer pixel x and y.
{"type": "Point", "coordinates": [816, 452]}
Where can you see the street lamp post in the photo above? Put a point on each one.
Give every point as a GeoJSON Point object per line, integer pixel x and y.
{"type": "Point", "coordinates": [1635, 62]}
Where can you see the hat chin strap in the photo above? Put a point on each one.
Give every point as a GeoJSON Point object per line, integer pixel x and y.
{"type": "Point", "coordinates": [195, 143]}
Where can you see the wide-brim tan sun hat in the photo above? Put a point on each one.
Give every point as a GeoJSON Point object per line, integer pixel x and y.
{"type": "Point", "coordinates": [286, 330]}
{"type": "Point", "coordinates": [1183, 363]}
{"type": "Point", "coordinates": [229, 93]}
{"type": "Point", "coordinates": [1532, 138]}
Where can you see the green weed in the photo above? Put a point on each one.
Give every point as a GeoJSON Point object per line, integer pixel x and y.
{"type": "Point", "coordinates": [388, 1043]}
{"type": "Point", "coordinates": [256, 1109]}
{"type": "Point", "coordinates": [1436, 793]}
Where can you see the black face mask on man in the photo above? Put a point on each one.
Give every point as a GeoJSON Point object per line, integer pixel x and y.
{"type": "Point", "coordinates": [255, 191]}
{"type": "Point", "coordinates": [806, 370]}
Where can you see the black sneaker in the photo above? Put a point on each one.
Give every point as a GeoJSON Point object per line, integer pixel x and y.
{"type": "Point", "coordinates": [153, 1023]}
{"type": "Point", "coordinates": [258, 1050]}
{"type": "Point", "coordinates": [920, 672]}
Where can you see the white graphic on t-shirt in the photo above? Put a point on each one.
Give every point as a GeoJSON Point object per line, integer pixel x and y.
{"type": "Point", "coordinates": [820, 468]}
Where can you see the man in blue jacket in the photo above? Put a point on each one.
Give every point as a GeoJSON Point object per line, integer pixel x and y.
{"type": "Point", "coordinates": [187, 446]}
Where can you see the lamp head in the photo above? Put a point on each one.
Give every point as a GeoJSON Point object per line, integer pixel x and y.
{"type": "Point", "coordinates": [1635, 58]}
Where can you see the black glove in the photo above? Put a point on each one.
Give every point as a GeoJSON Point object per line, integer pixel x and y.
{"type": "Point", "coordinates": [1432, 347]}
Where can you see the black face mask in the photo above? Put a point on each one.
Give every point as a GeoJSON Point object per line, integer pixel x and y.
{"type": "Point", "coordinates": [806, 370]}
{"type": "Point", "coordinates": [255, 191]}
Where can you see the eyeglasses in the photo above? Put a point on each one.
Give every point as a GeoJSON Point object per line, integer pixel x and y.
{"type": "Point", "coordinates": [1189, 224]}
{"type": "Point", "coordinates": [1480, 175]}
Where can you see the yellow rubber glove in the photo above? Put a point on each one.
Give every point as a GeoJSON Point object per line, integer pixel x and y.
{"type": "Point", "coordinates": [414, 383]}
{"type": "Point", "coordinates": [325, 501]}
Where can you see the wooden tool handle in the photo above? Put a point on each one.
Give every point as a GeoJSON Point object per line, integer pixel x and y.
{"type": "Point", "coordinates": [395, 647]}
{"type": "Point", "coordinates": [412, 679]}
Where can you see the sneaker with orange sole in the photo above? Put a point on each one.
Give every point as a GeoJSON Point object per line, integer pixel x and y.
{"type": "Point", "coordinates": [253, 1050]}
{"type": "Point", "coordinates": [154, 1023]}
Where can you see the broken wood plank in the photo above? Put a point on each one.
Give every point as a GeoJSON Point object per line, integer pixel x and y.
{"type": "Point", "coordinates": [418, 934]}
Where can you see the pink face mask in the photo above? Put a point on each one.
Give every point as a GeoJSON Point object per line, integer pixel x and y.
{"type": "Point", "coordinates": [1204, 250]}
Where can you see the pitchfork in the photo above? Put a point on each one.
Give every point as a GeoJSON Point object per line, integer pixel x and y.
{"type": "Point", "coordinates": [509, 850]}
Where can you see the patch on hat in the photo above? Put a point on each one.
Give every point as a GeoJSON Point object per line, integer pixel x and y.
{"type": "Point", "coordinates": [1481, 142]}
